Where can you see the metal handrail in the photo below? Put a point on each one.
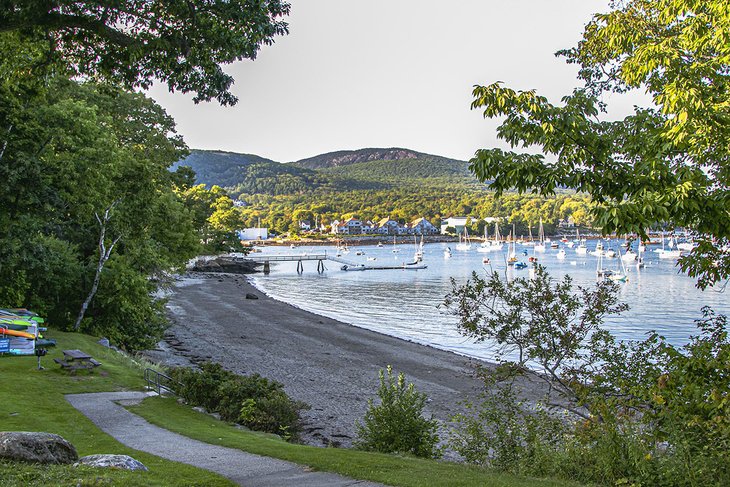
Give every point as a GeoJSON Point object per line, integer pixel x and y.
{"type": "Point", "coordinates": [158, 381]}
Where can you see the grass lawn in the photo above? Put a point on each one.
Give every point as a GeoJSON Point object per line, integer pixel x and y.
{"type": "Point", "coordinates": [32, 400]}
{"type": "Point", "coordinates": [389, 469]}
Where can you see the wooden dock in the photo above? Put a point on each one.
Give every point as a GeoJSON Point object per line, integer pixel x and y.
{"type": "Point", "coordinates": [320, 258]}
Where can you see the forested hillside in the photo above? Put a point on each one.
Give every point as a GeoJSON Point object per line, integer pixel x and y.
{"type": "Point", "coordinates": [367, 169]}
{"type": "Point", "coordinates": [362, 184]}
{"type": "Point", "coordinates": [347, 157]}
{"type": "Point", "coordinates": [247, 173]}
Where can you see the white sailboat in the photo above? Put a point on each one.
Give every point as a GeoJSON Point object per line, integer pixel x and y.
{"type": "Point", "coordinates": [581, 249]}
{"type": "Point", "coordinates": [492, 245]}
{"type": "Point", "coordinates": [540, 244]}
{"type": "Point", "coordinates": [602, 272]}
{"type": "Point", "coordinates": [640, 256]}
{"type": "Point", "coordinates": [629, 256]}
{"type": "Point", "coordinates": [418, 255]}
{"type": "Point", "coordinates": [561, 254]}
{"type": "Point", "coordinates": [620, 274]}
{"type": "Point", "coordinates": [464, 244]}
{"type": "Point", "coordinates": [599, 250]}
{"type": "Point", "coordinates": [671, 253]}
{"type": "Point", "coordinates": [530, 242]}
{"type": "Point", "coordinates": [395, 248]}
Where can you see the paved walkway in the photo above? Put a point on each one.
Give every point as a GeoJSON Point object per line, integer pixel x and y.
{"type": "Point", "coordinates": [247, 469]}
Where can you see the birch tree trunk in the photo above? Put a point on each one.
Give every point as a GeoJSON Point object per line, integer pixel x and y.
{"type": "Point", "coordinates": [104, 254]}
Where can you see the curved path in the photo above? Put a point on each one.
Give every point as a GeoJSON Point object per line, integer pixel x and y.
{"type": "Point", "coordinates": [106, 410]}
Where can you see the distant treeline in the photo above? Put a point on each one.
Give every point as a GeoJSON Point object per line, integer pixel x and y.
{"type": "Point", "coordinates": [282, 213]}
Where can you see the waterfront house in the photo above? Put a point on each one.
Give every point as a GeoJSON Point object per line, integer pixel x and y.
{"type": "Point", "coordinates": [388, 226]}
{"type": "Point", "coordinates": [351, 226]}
{"type": "Point", "coordinates": [421, 226]}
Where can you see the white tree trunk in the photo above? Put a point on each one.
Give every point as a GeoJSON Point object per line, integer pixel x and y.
{"type": "Point", "coordinates": [104, 254]}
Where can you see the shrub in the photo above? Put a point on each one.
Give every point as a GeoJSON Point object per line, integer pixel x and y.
{"type": "Point", "coordinates": [635, 412]}
{"type": "Point", "coordinates": [254, 401]}
{"type": "Point", "coordinates": [502, 433]}
{"type": "Point", "coordinates": [397, 424]}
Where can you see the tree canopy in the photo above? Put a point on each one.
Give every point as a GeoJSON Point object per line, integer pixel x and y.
{"type": "Point", "coordinates": [668, 164]}
{"type": "Point", "coordinates": [182, 42]}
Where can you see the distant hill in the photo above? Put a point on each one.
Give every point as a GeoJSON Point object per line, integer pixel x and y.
{"type": "Point", "coordinates": [247, 173]}
{"type": "Point", "coordinates": [338, 171]}
{"type": "Point", "coordinates": [347, 157]}
{"type": "Point", "coordinates": [368, 168]}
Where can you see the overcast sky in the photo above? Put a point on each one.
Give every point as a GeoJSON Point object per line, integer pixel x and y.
{"type": "Point", "coordinates": [387, 73]}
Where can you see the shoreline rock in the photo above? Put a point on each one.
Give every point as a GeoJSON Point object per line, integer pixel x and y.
{"type": "Point", "coordinates": [36, 447]}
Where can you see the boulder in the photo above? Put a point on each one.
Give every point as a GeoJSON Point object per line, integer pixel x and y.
{"type": "Point", "coordinates": [226, 264]}
{"type": "Point", "coordinates": [36, 447]}
{"type": "Point", "coordinates": [111, 461]}
{"type": "Point", "coordinates": [251, 296]}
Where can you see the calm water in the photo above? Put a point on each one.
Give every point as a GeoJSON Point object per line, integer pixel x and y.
{"type": "Point", "coordinates": [403, 303]}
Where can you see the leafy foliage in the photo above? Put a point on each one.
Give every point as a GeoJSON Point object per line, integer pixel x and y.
{"type": "Point", "coordinates": [252, 400]}
{"type": "Point", "coordinates": [135, 41]}
{"type": "Point", "coordinates": [668, 165]}
{"type": "Point", "coordinates": [397, 423]}
{"type": "Point", "coordinates": [642, 412]}
{"type": "Point", "coordinates": [69, 151]}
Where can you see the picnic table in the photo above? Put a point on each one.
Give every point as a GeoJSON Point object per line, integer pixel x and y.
{"type": "Point", "coordinates": [74, 360]}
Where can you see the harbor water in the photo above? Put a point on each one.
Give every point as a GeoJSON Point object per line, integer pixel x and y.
{"type": "Point", "coordinates": [405, 303]}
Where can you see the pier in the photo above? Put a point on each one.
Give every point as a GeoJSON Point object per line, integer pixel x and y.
{"type": "Point", "coordinates": [320, 258]}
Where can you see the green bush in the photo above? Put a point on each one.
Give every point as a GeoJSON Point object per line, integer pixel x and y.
{"type": "Point", "coordinates": [273, 413]}
{"type": "Point", "coordinates": [397, 424]}
{"type": "Point", "coordinates": [634, 412]}
{"type": "Point", "coordinates": [507, 434]}
{"type": "Point", "coordinates": [254, 401]}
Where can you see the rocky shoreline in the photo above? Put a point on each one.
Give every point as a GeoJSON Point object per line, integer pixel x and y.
{"type": "Point", "coordinates": [330, 365]}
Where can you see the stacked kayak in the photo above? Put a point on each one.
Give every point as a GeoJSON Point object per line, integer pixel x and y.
{"type": "Point", "coordinates": [20, 332]}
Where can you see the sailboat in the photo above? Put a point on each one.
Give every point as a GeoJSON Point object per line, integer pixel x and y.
{"type": "Point", "coordinates": [572, 243]}
{"type": "Point", "coordinates": [629, 256]}
{"type": "Point", "coordinates": [672, 253]}
{"type": "Point", "coordinates": [512, 253]}
{"type": "Point", "coordinates": [395, 249]}
{"type": "Point", "coordinates": [530, 242]}
{"type": "Point", "coordinates": [561, 254]}
{"type": "Point", "coordinates": [602, 272]}
{"type": "Point", "coordinates": [581, 249]}
{"type": "Point", "coordinates": [620, 274]}
{"type": "Point", "coordinates": [599, 250]}
{"type": "Point", "coordinates": [465, 244]}
{"type": "Point", "coordinates": [418, 255]}
{"type": "Point", "coordinates": [491, 245]}
{"type": "Point", "coordinates": [540, 245]}
{"type": "Point", "coordinates": [447, 253]}
{"type": "Point", "coordinates": [640, 256]}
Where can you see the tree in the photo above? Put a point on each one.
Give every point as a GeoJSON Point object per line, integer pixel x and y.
{"type": "Point", "coordinates": [668, 165]}
{"type": "Point", "coordinates": [72, 150]}
{"type": "Point", "coordinates": [182, 42]}
{"type": "Point", "coordinates": [632, 412]}
{"type": "Point", "coordinates": [539, 327]}
{"type": "Point", "coordinates": [104, 253]}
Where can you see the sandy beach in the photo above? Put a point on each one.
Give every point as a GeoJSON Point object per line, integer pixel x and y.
{"type": "Point", "coordinates": [330, 365]}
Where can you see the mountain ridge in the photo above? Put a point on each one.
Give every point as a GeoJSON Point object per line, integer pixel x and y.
{"type": "Point", "coordinates": [367, 168]}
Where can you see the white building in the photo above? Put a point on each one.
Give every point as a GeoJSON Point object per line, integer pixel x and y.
{"type": "Point", "coordinates": [253, 234]}
{"type": "Point", "coordinates": [421, 226]}
{"type": "Point", "coordinates": [351, 226]}
{"type": "Point", "coordinates": [458, 222]}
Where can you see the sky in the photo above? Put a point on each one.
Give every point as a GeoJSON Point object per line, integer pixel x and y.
{"type": "Point", "coordinates": [388, 73]}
